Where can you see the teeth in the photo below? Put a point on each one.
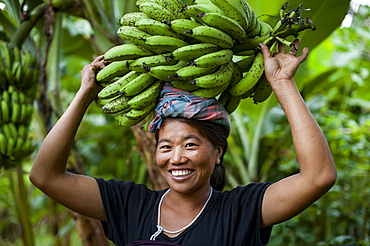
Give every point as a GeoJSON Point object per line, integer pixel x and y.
{"type": "Point", "coordinates": [181, 173]}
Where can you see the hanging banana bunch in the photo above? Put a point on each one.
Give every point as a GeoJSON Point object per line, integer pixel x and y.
{"type": "Point", "coordinates": [209, 48]}
{"type": "Point", "coordinates": [19, 73]}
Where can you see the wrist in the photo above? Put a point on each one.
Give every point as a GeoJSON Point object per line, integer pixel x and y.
{"type": "Point", "coordinates": [85, 97]}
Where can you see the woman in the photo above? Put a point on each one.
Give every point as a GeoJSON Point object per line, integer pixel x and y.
{"type": "Point", "coordinates": [191, 211]}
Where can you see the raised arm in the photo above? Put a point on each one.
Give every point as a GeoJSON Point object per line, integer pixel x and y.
{"type": "Point", "coordinates": [77, 192]}
{"type": "Point", "coordinates": [290, 196]}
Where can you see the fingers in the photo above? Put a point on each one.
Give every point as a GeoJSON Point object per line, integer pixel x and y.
{"type": "Point", "coordinates": [98, 58]}
{"type": "Point", "coordinates": [282, 48]}
{"type": "Point", "coordinates": [295, 46]}
{"type": "Point", "coordinates": [304, 54]}
{"type": "Point", "coordinates": [265, 50]}
{"type": "Point", "coordinates": [97, 64]}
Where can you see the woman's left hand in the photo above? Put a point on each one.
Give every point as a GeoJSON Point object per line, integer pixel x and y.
{"type": "Point", "coordinates": [281, 66]}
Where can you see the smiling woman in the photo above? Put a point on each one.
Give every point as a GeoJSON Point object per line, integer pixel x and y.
{"type": "Point", "coordinates": [191, 134]}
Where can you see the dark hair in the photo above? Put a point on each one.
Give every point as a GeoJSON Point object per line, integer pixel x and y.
{"type": "Point", "coordinates": [217, 134]}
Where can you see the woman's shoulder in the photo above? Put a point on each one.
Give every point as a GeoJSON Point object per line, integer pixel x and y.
{"type": "Point", "coordinates": [125, 187]}
{"type": "Point", "coordinates": [249, 190]}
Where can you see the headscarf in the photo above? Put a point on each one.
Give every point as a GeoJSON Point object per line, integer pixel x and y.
{"type": "Point", "coordinates": [178, 103]}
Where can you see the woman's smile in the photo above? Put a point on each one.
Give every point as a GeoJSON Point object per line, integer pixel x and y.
{"type": "Point", "coordinates": [185, 158]}
{"type": "Point", "coordinates": [181, 173]}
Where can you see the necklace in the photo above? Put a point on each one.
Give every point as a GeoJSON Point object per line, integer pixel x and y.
{"type": "Point", "coordinates": [160, 228]}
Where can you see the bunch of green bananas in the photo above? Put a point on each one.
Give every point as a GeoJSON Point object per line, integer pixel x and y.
{"type": "Point", "coordinates": [18, 83]}
{"type": "Point", "coordinates": [209, 48]}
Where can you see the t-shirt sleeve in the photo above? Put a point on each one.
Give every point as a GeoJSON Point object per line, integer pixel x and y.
{"type": "Point", "coordinates": [125, 205]}
{"type": "Point", "coordinates": [249, 201]}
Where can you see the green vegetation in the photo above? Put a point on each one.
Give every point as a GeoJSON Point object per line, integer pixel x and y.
{"type": "Point", "coordinates": [334, 83]}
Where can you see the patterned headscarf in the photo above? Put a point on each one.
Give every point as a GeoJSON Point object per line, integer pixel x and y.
{"type": "Point", "coordinates": [178, 103]}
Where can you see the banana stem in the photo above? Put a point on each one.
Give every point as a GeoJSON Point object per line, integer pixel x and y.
{"type": "Point", "coordinates": [19, 192]}
{"type": "Point", "coordinates": [244, 136]}
{"type": "Point", "coordinates": [26, 26]}
{"type": "Point", "coordinates": [8, 25]}
{"type": "Point", "coordinates": [253, 159]}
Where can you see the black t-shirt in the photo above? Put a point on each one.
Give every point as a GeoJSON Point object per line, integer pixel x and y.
{"type": "Point", "coordinates": [230, 217]}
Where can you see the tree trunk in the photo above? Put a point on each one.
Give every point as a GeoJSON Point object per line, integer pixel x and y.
{"type": "Point", "coordinates": [90, 231]}
{"type": "Point", "coordinates": [146, 144]}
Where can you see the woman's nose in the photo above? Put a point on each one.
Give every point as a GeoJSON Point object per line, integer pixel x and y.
{"type": "Point", "coordinates": [177, 156]}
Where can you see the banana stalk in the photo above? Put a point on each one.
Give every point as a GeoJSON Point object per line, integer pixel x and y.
{"type": "Point", "coordinates": [19, 192]}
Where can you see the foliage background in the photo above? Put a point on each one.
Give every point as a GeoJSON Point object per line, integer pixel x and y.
{"type": "Point", "coordinates": [334, 82]}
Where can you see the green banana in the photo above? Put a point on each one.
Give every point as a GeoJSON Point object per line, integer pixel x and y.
{"type": "Point", "coordinates": [136, 114]}
{"type": "Point", "coordinates": [165, 43]}
{"type": "Point", "coordinates": [10, 146]}
{"type": "Point", "coordinates": [191, 72]}
{"type": "Point", "coordinates": [234, 10]}
{"type": "Point", "coordinates": [133, 35]}
{"type": "Point", "coordinates": [266, 29]}
{"type": "Point", "coordinates": [16, 111]}
{"type": "Point", "coordinates": [251, 78]}
{"type": "Point", "coordinates": [116, 105]}
{"type": "Point", "coordinates": [131, 18]}
{"type": "Point", "coordinates": [124, 121]}
{"type": "Point", "coordinates": [156, 11]}
{"type": "Point", "coordinates": [13, 129]}
{"type": "Point", "coordinates": [146, 97]}
{"type": "Point", "coordinates": [212, 35]}
{"type": "Point", "coordinates": [184, 85]}
{"type": "Point", "coordinates": [126, 52]}
{"type": "Point", "coordinates": [155, 27]}
{"type": "Point", "coordinates": [5, 110]}
{"type": "Point", "coordinates": [251, 44]}
{"type": "Point", "coordinates": [237, 75]}
{"type": "Point", "coordinates": [263, 90]}
{"type": "Point", "coordinates": [254, 26]}
{"type": "Point", "coordinates": [3, 144]}
{"type": "Point", "coordinates": [22, 132]}
{"type": "Point", "coordinates": [19, 142]}
{"type": "Point", "coordinates": [138, 84]}
{"type": "Point", "coordinates": [193, 51]}
{"type": "Point", "coordinates": [174, 6]}
{"type": "Point", "coordinates": [113, 90]}
{"type": "Point", "coordinates": [255, 31]}
{"type": "Point", "coordinates": [6, 130]}
{"type": "Point", "coordinates": [28, 114]}
{"type": "Point", "coordinates": [182, 26]}
{"type": "Point", "coordinates": [224, 23]}
{"type": "Point", "coordinates": [142, 63]}
{"type": "Point", "coordinates": [163, 72]}
{"type": "Point", "coordinates": [27, 148]}
{"type": "Point", "coordinates": [232, 103]}
{"type": "Point", "coordinates": [220, 77]}
{"type": "Point", "coordinates": [100, 102]}
{"type": "Point", "coordinates": [214, 59]}
{"type": "Point", "coordinates": [245, 63]}
{"type": "Point", "coordinates": [210, 92]}
{"type": "Point", "coordinates": [114, 69]}
{"type": "Point", "coordinates": [196, 9]}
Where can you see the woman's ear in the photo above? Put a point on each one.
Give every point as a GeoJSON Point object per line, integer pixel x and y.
{"type": "Point", "coordinates": [219, 151]}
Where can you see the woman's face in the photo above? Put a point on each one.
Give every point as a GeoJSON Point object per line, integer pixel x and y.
{"type": "Point", "coordinates": [185, 158]}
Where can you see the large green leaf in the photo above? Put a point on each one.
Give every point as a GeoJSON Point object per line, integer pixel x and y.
{"type": "Point", "coordinates": [326, 14]}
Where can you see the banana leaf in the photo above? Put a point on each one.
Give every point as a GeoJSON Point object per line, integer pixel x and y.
{"type": "Point", "coordinates": [325, 14]}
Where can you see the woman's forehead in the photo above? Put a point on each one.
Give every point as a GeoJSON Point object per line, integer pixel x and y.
{"type": "Point", "coordinates": [174, 127]}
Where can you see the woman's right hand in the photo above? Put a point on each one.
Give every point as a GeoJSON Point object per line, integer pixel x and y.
{"type": "Point", "coordinates": [88, 77]}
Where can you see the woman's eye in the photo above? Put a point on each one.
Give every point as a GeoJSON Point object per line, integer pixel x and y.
{"type": "Point", "coordinates": [165, 147]}
{"type": "Point", "coordinates": [190, 145]}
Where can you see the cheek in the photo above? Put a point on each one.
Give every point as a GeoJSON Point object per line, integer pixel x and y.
{"type": "Point", "coordinates": [160, 159]}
